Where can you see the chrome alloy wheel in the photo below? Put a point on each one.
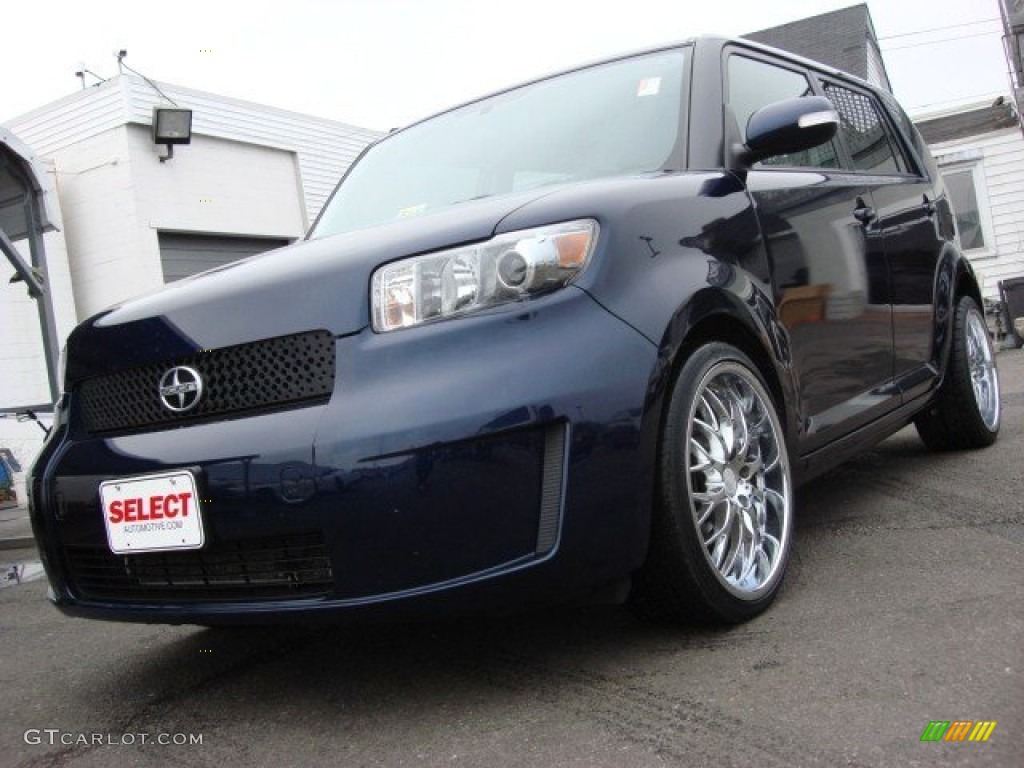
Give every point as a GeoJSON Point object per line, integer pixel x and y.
{"type": "Point", "coordinates": [738, 480]}
{"type": "Point", "coordinates": [982, 365]}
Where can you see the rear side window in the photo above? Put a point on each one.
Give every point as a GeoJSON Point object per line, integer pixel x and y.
{"type": "Point", "coordinates": [753, 84]}
{"type": "Point", "coordinates": [923, 162]}
{"type": "Point", "coordinates": [861, 127]}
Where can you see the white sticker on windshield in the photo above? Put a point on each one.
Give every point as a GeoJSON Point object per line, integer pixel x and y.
{"type": "Point", "coordinates": [649, 86]}
{"type": "Point", "coordinates": [412, 210]}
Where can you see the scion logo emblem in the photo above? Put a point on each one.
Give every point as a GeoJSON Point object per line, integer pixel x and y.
{"type": "Point", "coordinates": [181, 389]}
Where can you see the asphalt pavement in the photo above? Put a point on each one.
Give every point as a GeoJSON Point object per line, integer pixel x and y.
{"type": "Point", "coordinates": [903, 606]}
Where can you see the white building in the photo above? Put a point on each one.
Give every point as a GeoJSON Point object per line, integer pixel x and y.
{"type": "Point", "coordinates": [252, 178]}
{"type": "Point", "coordinates": [980, 151]}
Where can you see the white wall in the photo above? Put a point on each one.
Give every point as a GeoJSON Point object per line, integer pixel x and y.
{"type": "Point", "coordinates": [109, 257]}
{"type": "Point", "coordinates": [117, 195]}
{"type": "Point", "coordinates": [21, 354]}
{"type": "Point", "coordinates": [216, 186]}
{"type": "Point", "coordinates": [1003, 167]}
{"type": "Point", "coordinates": [323, 148]}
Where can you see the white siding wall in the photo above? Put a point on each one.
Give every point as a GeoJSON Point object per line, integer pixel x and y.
{"type": "Point", "coordinates": [1003, 167]}
{"type": "Point", "coordinates": [71, 119]}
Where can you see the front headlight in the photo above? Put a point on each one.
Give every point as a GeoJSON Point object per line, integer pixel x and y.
{"type": "Point", "coordinates": [509, 267]}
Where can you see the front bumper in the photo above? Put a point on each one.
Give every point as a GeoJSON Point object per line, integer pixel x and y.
{"type": "Point", "coordinates": [490, 461]}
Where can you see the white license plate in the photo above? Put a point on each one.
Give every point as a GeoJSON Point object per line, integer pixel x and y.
{"type": "Point", "coordinates": [152, 513]}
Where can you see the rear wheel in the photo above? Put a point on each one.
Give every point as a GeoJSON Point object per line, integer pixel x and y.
{"type": "Point", "coordinates": [722, 524]}
{"type": "Point", "coordinates": [966, 413]}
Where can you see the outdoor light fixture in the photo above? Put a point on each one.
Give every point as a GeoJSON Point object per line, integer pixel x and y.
{"type": "Point", "coordinates": [171, 125]}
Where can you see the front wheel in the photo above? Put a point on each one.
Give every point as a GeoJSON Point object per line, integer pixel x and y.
{"type": "Point", "coordinates": [722, 525]}
{"type": "Point", "coordinates": [966, 413]}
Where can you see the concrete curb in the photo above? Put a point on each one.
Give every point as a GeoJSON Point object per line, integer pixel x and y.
{"type": "Point", "coordinates": [17, 542]}
{"type": "Point", "coordinates": [16, 529]}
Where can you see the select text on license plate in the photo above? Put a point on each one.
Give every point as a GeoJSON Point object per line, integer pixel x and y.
{"type": "Point", "coordinates": [152, 513]}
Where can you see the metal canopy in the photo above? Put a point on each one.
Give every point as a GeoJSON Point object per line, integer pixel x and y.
{"type": "Point", "coordinates": [25, 215]}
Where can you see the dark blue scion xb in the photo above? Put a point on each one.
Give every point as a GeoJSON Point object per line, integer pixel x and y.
{"type": "Point", "coordinates": [577, 340]}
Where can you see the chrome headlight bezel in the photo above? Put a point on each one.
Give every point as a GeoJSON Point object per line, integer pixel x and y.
{"type": "Point", "coordinates": [510, 267]}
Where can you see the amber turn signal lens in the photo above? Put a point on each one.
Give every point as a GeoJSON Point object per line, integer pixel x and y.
{"type": "Point", "coordinates": [573, 248]}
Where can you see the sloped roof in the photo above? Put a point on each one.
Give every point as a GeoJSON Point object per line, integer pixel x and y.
{"type": "Point", "coordinates": [325, 148]}
{"type": "Point", "coordinates": [974, 122]}
{"type": "Point", "coordinates": [837, 38]}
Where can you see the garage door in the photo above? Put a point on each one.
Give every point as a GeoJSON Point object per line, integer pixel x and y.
{"type": "Point", "coordinates": [185, 255]}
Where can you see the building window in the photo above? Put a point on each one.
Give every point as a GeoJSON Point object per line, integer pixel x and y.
{"type": "Point", "coordinates": [966, 187]}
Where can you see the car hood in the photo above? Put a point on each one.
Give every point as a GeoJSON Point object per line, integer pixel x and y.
{"type": "Point", "coordinates": [317, 284]}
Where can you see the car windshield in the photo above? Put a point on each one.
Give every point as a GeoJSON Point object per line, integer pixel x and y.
{"type": "Point", "coordinates": [608, 120]}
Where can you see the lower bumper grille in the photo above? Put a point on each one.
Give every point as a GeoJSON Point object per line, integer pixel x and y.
{"type": "Point", "coordinates": [267, 568]}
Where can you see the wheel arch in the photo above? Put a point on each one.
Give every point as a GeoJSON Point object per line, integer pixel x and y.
{"type": "Point", "coordinates": [967, 282]}
{"type": "Point", "coordinates": [715, 315]}
{"type": "Point", "coordinates": [955, 278]}
{"type": "Point", "coordinates": [729, 330]}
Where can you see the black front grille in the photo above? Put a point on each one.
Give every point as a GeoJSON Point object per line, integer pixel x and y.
{"type": "Point", "coordinates": [297, 369]}
{"type": "Point", "coordinates": [277, 567]}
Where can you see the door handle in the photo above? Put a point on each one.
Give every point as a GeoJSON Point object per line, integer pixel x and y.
{"type": "Point", "coordinates": [864, 213]}
{"type": "Point", "coordinates": [928, 205]}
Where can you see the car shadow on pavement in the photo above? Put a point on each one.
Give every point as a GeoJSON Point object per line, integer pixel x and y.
{"type": "Point", "coordinates": [601, 664]}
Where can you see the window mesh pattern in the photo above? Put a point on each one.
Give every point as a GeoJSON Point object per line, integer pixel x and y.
{"type": "Point", "coordinates": [261, 375]}
{"type": "Point", "coordinates": [863, 130]}
{"type": "Point", "coordinates": [270, 567]}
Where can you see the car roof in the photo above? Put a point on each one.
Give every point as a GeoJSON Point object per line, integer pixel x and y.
{"type": "Point", "coordinates": [788, 55]}
{"type": "Point", "coordinates": [702, 41]}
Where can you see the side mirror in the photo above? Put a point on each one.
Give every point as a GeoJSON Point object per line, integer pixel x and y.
{"type": "Point", "coordinates": [792, 125]}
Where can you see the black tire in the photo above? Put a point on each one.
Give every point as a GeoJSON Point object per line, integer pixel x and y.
{"type": "Point", "coordinates": [680, 582]}
{"type": "Point", "coordinates": [966, 412]}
